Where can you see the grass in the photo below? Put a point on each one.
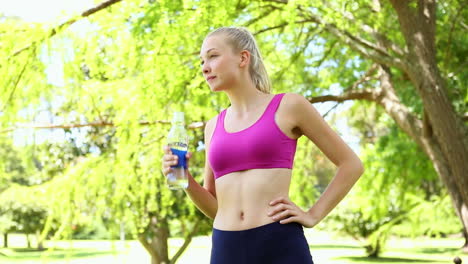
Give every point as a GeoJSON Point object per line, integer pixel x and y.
{"type": "Point", "coordinates": [326, 248]}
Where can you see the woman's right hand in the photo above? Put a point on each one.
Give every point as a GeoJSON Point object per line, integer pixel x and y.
{"type": "Point", "coordinates": [168, 160]}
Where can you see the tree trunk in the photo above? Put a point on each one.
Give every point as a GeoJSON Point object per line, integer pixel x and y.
{"type": "Point", "coordinates": [5, 240]}
{"type": "Point", "coordinates": [28, 240]}
{"type": "Point", "coordinates": [154, 239]}
{"type": "Point", "coordinates": [418, 27]}
{"type": "Point", "coordinates": [444, 171]}
{"type": "Point", "coordinates": [444, 129]}
{"type": "Point", "coordinates": [40, 242]}
{"type": "Point", "coordinates": [428, 142]}
{"type": "Point", "coordinates": [465, 246]}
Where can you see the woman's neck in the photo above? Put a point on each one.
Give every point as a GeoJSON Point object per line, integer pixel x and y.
{"type": "Point", "coordinates": [246, 98]}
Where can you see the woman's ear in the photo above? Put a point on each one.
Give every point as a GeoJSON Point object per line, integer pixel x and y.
{"type": "Point", "coordinates": [244, 58]}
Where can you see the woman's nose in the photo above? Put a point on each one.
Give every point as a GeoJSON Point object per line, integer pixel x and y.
{"type": "Point", "coordinates": [205, 68]}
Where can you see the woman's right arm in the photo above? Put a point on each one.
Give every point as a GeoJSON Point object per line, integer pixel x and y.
{"type": "Point", "coordinates": [204, 196]}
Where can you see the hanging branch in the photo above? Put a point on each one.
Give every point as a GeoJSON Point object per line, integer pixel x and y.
{"type": "Point", "coordinates": [194, 125]}
{"type": "Point", "coordinates": [55, 30]}
{"type": "Point", "coordinates": [15, 86]}
{"type": "Point", "coordinates": [367, 48]}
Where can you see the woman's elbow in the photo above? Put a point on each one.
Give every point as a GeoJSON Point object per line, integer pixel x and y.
{"type": "Point", "coordinates": [354, 167]}
{"type": "Point", "coordinates": [359, 167]}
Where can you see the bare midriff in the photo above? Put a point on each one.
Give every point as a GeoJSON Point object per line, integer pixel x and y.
{"type": "Point", "coordinates": [244, 197]}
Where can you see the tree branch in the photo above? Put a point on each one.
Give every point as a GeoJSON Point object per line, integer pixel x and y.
{"type": "Point", "coordinates": [277, 1]}
{"type": "Point", "coordinates": [55, 30]}
{"type": "Point", "coordinates": [367, 76]}
{"type": "Point", "coordinates": [452, 27]}
{"type": "Point", "coordinates": [263, 15]}
{"type": "Point", "coordinates": [387, 43]}
{"type": "Point", "coordinates": [187, 241]}
{"type": "Point", "coordinates": [385, 97]}
{"type": "Point", "coordinates": [294, 57]}
{"type": "Point", "coordinates": [146, 245]}
{"type": "Point", "coordinates": [194, 125]}
{"type": "Point", "coordinates": [281, 26]}
{"type": "Point", "coordinates": [368, 95]}
{"type": "Point", "coordinates": [326, 53]}
{"type": "Point", "coordinates": [397, 110]}
{"type": "Point", "coordinates": [16, 85]}
{"type": "Point", "coordinates": [364, 27]}
{"type": "Point", "coordinates": [366, 48]}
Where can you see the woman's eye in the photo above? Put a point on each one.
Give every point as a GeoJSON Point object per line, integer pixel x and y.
{"type": "Point", "coordinates": [209, 57]}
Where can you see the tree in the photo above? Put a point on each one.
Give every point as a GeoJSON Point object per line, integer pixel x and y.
{"type": "Point", "coordinates": [138, 63]}
{"type": "Point", "coordinates": [439, 130]}
{"type": "Point", "coordinates": [23, 210]}
{"type": "Point", "coordinates": [401, 181]}
{"type": "Point", "coordinates": [120, 179]}
{"type": "Point", "coordinates": [421, 50]}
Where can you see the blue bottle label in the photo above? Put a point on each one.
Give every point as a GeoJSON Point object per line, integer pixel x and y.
{"type": "Point", "coordinates": [181, 161]}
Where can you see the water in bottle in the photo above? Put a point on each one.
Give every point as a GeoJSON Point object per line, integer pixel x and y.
{"type": "Point", "coordinates": [177, 140]}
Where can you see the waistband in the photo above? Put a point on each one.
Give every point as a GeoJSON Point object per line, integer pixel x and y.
{"type": "Point", "coordinates": [261, 229]}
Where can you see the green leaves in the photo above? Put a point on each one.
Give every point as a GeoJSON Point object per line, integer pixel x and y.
{"type": "Point", "coordinates": [130, 66]}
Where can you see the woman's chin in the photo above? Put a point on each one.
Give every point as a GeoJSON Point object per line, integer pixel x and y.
{"type": "Point", "coordinates": [216, 88]}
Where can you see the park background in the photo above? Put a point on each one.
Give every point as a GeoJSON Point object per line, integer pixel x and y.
{"type": "Point", "coordinates": [88, 88]}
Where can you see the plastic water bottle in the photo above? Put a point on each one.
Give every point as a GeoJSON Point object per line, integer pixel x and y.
{"type": "Point", "coordinates": [177, 140]}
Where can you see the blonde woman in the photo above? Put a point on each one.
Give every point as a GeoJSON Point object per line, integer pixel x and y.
{"type": "Point", "coordinates": [250, 148]}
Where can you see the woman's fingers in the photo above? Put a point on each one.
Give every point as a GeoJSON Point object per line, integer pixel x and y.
{"type": "Point", "coordinates": [290, 220]}
{"type": "Point", "coordinates": [279, 208]}
{"type": "Point", "coordinates": [187, 158]}
{"type": "Point", "coordinates": [167, 149]}
{"type": "Point", "coordinates": [166, 171]}
{"type": "Point", "coordinates": [279, 200]}
{"type": "Point", "coordinates": [170, 159]}
{"type": "Point", "coordinates": [284, 210]}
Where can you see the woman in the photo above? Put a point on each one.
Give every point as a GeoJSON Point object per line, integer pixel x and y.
{"type": "Point", "coordinates": [250, 152]}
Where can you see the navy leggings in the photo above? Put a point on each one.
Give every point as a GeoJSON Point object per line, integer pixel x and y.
{"type": "Point", "coordinates": [273, 243]}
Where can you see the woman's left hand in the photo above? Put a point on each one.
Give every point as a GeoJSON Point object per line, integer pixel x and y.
{"type": "Point", "coordinates": [285, 211]}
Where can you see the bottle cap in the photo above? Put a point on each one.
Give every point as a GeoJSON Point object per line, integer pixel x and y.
{"type": "Point", "coordinates": [178, 117]}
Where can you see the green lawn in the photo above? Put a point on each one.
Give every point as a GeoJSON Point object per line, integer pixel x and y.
{"type": "Point", "coordinates": [326, 249]}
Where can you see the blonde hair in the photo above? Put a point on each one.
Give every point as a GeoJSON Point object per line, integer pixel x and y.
{"type": "Point", "coordinates": [241, 39]}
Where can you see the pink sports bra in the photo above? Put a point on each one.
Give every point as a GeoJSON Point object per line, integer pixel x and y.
{"type": "Point", "coordinates": [260, 146]}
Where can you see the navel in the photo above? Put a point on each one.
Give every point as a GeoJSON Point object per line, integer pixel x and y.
{"type": "Point", "coordinates": [241, 215]}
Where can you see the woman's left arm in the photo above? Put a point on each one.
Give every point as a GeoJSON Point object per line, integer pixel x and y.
{"type": "Point", "coordinates": [311, 124]}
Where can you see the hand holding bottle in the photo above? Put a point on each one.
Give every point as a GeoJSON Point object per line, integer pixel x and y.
{"type": "Point", "coordinates": [177, 140]}
{"type": "Point", "coordinates": [169, 160]}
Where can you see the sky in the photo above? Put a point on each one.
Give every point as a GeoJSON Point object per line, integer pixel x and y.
{"type": "Point", "coordinates": [43, 10]}
{"type": "Point", "coordinates": [50, 12]}
{"type": "Point", "coordinates": [57, 11]}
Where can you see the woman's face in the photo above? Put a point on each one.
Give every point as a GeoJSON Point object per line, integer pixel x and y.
{"type": "Point", "coordinates": [219, 63]}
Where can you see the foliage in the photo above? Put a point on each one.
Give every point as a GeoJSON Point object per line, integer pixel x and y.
{"type": "Point", "coordinates": [22, 210]}
{"type": "Point", "coordinates": [434, 217]}
{"type": "Point", "coordinates": [396, 173]}
{"type": "Point", "coordinates": [131, 65]}
{"type": "Point", "coordinates": [11, 168]}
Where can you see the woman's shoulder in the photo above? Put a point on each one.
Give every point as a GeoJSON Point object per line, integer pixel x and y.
{"type": "Point", "coordinates": [294, 101]}
{"type": "Point", "coordinates": [209, 128]}
{"type": "Point", "coordinates": [209, 125]}
{"type": "Point", "coordinates": [298, 108]}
